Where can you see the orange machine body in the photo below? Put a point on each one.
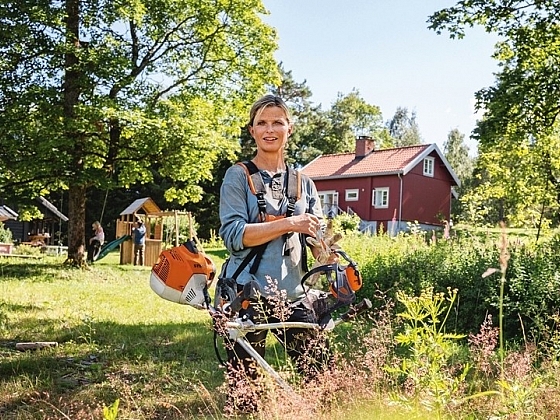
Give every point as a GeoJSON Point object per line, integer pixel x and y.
{"type": "Point", "coordinates": [182, 275]}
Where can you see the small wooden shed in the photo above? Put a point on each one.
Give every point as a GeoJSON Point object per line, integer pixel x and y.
{"type": "Point", "coordinates": [147, 210]}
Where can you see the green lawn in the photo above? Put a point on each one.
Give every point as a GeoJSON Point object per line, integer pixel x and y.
{"type": "Point", "coordinates": [116, 340]}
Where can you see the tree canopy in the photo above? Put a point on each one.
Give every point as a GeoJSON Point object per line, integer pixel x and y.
{"type": "Point", "coordinates": [108, 93]}
{"type": "Point", "coordinates": [403, 129]}
{"type": "Point", "coordinates": [518, 168]}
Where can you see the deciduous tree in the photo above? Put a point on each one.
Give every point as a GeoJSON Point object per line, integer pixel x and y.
{"type": "Point", "coordinates": [99, 93]}
{"type": "Point", "coordinates": [457, 154]}
{"type": "Point", "coordinates": [403, 129]}
{"type": "Point", "coordinates": [518, 135]}
{"type": "Point", "coordinates": [350, 116]}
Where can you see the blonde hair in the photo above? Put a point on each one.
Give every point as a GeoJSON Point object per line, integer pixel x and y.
{"type": "Point", "coordinates": [264, 102]}
{"type": "Point", "coordinates": [96, 225]}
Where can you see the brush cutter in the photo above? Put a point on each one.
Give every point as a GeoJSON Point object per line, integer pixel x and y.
{"type": "Point", "coordinates": [184, 274]}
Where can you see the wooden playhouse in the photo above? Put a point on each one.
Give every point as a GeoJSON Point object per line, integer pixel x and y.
{"type": "Point", "coordinates": [147, 210]}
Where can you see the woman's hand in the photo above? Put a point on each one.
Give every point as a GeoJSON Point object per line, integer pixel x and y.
{"type": "Point", "coordinates": [259, 233]}
{"type": "Point", "coordinates": [306, 223]}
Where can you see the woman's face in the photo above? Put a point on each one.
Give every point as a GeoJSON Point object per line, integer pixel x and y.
{"type": "Point", "coordinates": [271, 129]}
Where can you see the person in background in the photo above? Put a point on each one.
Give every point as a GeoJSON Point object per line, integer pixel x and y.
{"type": "Point", "coordinates": [139, 236]}
{"type": "Point", "coordinates": [283, 260]}
{"type": "Point", "coordinates": [95, 242]}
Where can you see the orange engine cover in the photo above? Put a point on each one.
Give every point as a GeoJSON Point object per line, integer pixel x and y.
{"type": "Point", "coordinates": [182, 275]}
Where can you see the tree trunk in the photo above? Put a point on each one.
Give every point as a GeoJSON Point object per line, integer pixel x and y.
{"type": "Point", "coordinates": [77, 193]}
{"type": "Point", "coordinates": [76, 224]}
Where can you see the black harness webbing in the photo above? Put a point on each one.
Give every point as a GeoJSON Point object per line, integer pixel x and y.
{"type": "Point", "coordinates": [257, 187]}
{"type": "Point", "coordinates": [256, 184]}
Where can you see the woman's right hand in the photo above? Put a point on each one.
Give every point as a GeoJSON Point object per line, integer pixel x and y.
{"type": "Point", "coordinates": [259, 233]}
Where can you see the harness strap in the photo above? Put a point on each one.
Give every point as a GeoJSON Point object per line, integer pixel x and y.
{"type": "Point", "coordinates": [256, 253]}
{"type": "Point", "coordinates": [257, 187]}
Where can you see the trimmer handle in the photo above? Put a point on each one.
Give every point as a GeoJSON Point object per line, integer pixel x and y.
{"type": "Point", "coordinates": [250, 293]}
{"type": "Point", "coordinates": [356, 310]}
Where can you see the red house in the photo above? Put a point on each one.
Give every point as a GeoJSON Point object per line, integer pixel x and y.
{"type": "Point", "coordinates": [387, 187]}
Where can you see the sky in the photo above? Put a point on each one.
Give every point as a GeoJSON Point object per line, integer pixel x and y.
{"type": "Point", "coordinates": [384, 49]}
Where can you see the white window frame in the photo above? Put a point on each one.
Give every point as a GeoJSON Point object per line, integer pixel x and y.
{"type": "Point", "coordinates": [352, 194]}
{"type": "Point", "coordinates": [380, 198]}
{"type": "Point", "coordinates": [323, 195]}
{"type": "Point", "coordinates": [428, 168]}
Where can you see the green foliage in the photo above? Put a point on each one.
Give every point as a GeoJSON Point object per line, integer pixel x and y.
{"type": "Point", "coordinates": [151, 358]}
{"type": "Point", "coordinates": [515, 182]}
{"type": "Point", "coordinates": [457, 154]}
{"type": "Point", "coordinates": [214, 241]}
{"type": "Point", "coordinates": [5, 234]}
{"type": "Point", "coordinates": [410, 264]}
{"type": "Point", "coordinates": [125, 95]}
{"type": "Point", "coordinates": [346, 223]}
{"type": "Point", "coordinates": [28, 250]}
{"type": "Point", "coordinates": [427, 363]}
{"type": "Point", "coordinates": [403, 128]}
{"type": "Point", "coordinates": [111, 412]}
{"type": "Point", "coordinates": [519, 136]}
{"type": "Point", "coordinates": [349, 116]}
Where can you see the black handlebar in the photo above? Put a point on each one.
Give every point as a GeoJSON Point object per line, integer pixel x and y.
{"type": "Point", "coordinates": [356, 310]}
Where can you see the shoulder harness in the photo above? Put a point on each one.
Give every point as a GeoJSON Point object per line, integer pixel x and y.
{"type": "Point", "coordinates": [257, 187]}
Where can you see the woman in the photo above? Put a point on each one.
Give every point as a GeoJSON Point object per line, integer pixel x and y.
{"type": "Point", "coordinates": [95, 242]}
{"type": "Point", "coordinates": [282, 260]}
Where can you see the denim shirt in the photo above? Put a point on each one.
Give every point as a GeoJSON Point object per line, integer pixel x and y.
{"type": "Point", "coordinates": [238, 207]}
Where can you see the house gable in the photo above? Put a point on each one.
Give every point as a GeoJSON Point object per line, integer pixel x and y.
{"type": "Point", "coordinates": [381, 186]}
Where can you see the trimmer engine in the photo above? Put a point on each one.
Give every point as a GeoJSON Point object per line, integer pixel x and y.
{"type": "Point", "coordinates": [182, 275]}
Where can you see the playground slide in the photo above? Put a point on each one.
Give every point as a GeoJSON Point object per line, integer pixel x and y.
{"type": "Point", "coordinates": [109, 246]}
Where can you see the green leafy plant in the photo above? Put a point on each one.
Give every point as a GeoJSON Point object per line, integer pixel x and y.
{"type": "Point", "coordinates": [28, 250]}
{"type": "Point", "coordinates": [111, 412]}
{"type": "Point", "coordinates": [346, 223]}
{"type": "Point", "coordinates": [5, 234]}
{"type": "Point", "coordinates": [427, 370]}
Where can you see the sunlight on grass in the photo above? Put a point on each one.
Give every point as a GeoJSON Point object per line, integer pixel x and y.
{"type": "Point", "coordinates": [118, 340]}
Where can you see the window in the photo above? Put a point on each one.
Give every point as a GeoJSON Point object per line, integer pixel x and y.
{"type": "Point", "coordinates": [352, 195]}
{"type": "Point", "coordinates": [380, 198]}
{"type": "Point", "coordinates": [429, 166]}
{"type": "Point", "coordinates": [329, 200]}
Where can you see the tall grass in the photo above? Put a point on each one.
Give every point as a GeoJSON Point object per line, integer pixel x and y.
{"type": "Point", "coordinates": [123, 352]}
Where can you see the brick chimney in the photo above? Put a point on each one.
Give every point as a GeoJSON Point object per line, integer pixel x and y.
{"type": "Point", "coordinates": [364, 146]}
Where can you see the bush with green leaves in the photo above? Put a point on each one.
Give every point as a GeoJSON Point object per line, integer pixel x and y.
{"type": "Point", "coordinates": [410, 264]}
{"type": "Point", "coordinates": [25, 249]}
{"type": "Point", "coordinates": [346, 223]}
{"type": "Point", "coordinates": [5, 235]}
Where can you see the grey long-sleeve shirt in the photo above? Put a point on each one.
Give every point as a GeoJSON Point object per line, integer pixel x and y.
{"type": "Point", "coordinates": [238, 207]}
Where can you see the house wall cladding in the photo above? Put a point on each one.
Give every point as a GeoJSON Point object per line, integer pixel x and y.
{"type": "Point", "coordinates": [413, 196]}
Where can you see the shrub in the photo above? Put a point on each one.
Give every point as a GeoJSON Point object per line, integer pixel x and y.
{"type": "Point", "coordinates": [346, 223]}
{"type": "Point", "coordinates": [28, 250]}
{"type": "Point", "coordinates": [5, 235]}
{"type": "Point", "coordinates": [410, 264]}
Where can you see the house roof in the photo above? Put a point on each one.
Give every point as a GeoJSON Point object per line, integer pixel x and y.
{"type": "Point", "coordinates": [146, 203]}
{"type": "Point", "coordinates": [7, 213]}
{"type": "Point", "coordinates": [400, 160]}
{"type": "Point", "coordinates": [52, 208]}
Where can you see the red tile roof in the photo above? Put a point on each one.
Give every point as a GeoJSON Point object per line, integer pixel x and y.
{"type": "Point", "coordinates": [378, 162]}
